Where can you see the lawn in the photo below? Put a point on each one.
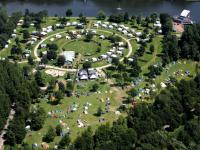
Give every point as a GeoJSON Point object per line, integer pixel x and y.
{"type": "Point", "coordinates": [82, 47]}
{"type": "Point", "coordinates": [71, 118]}
{"type": "Point", "coordinates": [148, 58]}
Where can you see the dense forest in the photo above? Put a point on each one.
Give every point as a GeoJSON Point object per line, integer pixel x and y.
{"type": "Point", "coordinates": [187, 47]}
{"type": "Point", "coordinates": [7, 25]}
{"type": "Point", "coordinates": [15, 90]}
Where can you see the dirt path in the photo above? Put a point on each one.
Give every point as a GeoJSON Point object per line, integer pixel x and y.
{"type": "Point", "coordinates": [10, 117]}
{"type": "Point", "coordinates": [74, 70]}
{"type": "Point", "coordinates": [89, 25]}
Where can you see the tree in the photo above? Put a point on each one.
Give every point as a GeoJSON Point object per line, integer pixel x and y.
{"type": "Point", "coordinates": [26, 35]}
{"type": "Point", "coordinates": [37, 118]}
{"type": "Point", "coordinates": [50, 135]}
{"type": "Point", "coordinates": [101, 15]}
{"type": "Point", "coordinates": [166, 22]}
{"type": "Point", "coordinates": [98, 49]}
{"type": "Point", "coordinates": [39, 79]}
{"type": "Point", "coordinates": [99, 111]}
{"type": "Point", "coordinates": [89, 36]}
{"type": "Point", "coordinates": [61, 60]}
{"type": "Point", "coordinates": [58, 96]}
{"type": "Point", "coordinates": [115, 61]}
{"type": "Point", "coordinates": [10, 138]}
{"type": "Point", "coordinates": [152, 48]}
{"type": "Point", "coordinates": [95, 87]}
{"type": "Point", "coordinates": [126, 17]}
{"type": "Point", "coordinates": [87, 65]}
{"type": "Point", "coordinates": [85, 141]}
{"type": "Point", "coordinates": [51, 54]}
{"type": "Point", "coordinates": [133, 92]}
{"type": "Point", "coordinates": [83, 20]}
{"type": "Point", "coordinates": [80, 15]}
{"type": "Point", "coordinates": [59, 129]}
{"type": "Point", "coordinates": [30, 60]}
{"type": "Point", "coordinates": [61, 86]}
{"type": "Point", "coordinates": [69, 13]}
{"type": "Point", "coordinates": [153, 17]}
{"type": "Point", "coordinates": [139, 20]}
{"type": "Point", "coordinates": [64, 142]}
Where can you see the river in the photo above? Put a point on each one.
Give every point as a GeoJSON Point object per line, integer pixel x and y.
{"type": "Point", "coordinates": [91, 7]}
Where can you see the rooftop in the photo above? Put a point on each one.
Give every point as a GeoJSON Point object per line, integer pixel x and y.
{"type": "Point", "coordinates": [69, 55]}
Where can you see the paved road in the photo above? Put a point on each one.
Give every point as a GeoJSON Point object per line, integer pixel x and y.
{"type": "Point", "coordinates": [74, 70]}
{"type": "Point", "coordinates": [10, 117]}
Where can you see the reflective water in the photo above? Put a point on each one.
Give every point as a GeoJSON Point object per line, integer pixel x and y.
{"type": "Point", "coordinates": [91, 7]}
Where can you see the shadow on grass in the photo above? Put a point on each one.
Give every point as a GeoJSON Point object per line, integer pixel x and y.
{"type": "Point", "coordinates": [142, 60]}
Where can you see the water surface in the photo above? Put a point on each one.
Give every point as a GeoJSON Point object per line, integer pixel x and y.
{"type": "Point", "coordinates": [91, 7]}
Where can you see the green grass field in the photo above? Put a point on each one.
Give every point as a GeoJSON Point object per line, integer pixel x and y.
{"type": "Point", "coordinates": [71, 118]}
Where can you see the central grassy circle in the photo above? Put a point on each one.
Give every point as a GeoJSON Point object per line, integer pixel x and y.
{"type": "Point", "coordinates": [83, 47]}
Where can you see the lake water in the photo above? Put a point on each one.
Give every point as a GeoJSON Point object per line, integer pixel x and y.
{"type": "Point", "coordinates": [91, 7]}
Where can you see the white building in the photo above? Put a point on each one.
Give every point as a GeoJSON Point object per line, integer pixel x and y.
{"type": "Point", "coordinates": [69, 56]}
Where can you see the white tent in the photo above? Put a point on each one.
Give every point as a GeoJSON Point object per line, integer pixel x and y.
{"type": "Point", "coordinates": [6, 46]}
{"type": "Point", "coordinates": [138, 33]}
{"type": "Point", "coordinates": [58, 25]}
{"type": "Point", "coordinates": [109, 53]}
{"type": "Point", "coordinates": [121, 48]}
{"type": "Point", "coordinates": [104, 25]}
{"type": "Point", "coordinates": [83, 77]}
{"type": "Point", "coordinates": [126, 28]}
{"type": "Point", "coordinates": [121, 25]}
{"type": "Point", "coordinates": [74, 23]}
{"type": "Point", "coordinates": [49, 30]}
{"type": "Point", "coordinates": [78, 36]}
{"type": "Point", "coordinates": [133, 30]}
{"type": "Point", "coordinates": [130, 59]}
{"type": "Point", "coordinates": [68, 24]}
{"type": "Point", "coordinates": [49, 27]}
{"type": "Point", "coordinates": [119, 52]}
{"type": "Point", "coordinates": [94, 31]}
{"type": "Point", "coordinates": [114, 56]}
{"type": "Point", "coordinates": [96, 25]}
{"type": "Point", "coordinates": [13, 35]}
{"type": "Point", "coordinates": [43, 33]}
{"type": "Point", "coordinates": [102, 37]}
{"type": "Point", "coordinates": [119, 29]}
{"type": "Point", "coordinates": [104, 56]}
{"type": "Point", "coordinates": [110, 27]}
{"type": "Point", "coordinates": [94, 59]}
{"type": "Point", "coordinates": [130, 35]}
{"type": "Point", "coordinates": [52, 39]}
{"type": "Point", "coordinates": [44, 29]}
{"type": "Point", "coordinates": [93, 76]}
{"type": "Point", "coordinates": [163, 85]}
{"type": "Point", "coordinates": [67, 37]}
{"type": "Point", "coordinates": [43, 45]}
{"type": "Point", "coordinates": [58, 36]}
{"type": "Point", "coordinates": [115, 24]}
{"type": "Point", "coordinates": [112, 51]}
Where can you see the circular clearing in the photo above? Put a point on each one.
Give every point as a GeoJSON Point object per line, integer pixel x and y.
{"type": "Point", "coordinates": [82, 47]}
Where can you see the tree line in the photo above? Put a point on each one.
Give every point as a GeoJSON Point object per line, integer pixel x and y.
{"type": "Point", "coordinates": [7, 25]}
{"type": "Point", "coordinates": [15, 89]}
{"type": "Point", "coordinates": [187, 47]}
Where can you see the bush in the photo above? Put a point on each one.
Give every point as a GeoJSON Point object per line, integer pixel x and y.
{"type": "Point", "coordinates": [50, 135]}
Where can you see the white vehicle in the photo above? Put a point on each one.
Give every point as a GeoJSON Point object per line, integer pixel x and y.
{"type": "Point", "coordinates": [130, 35]}
{"type": "Point", "coordinates": [119, 29]}
{"type": "Point", "coordinates": [110, 27]}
